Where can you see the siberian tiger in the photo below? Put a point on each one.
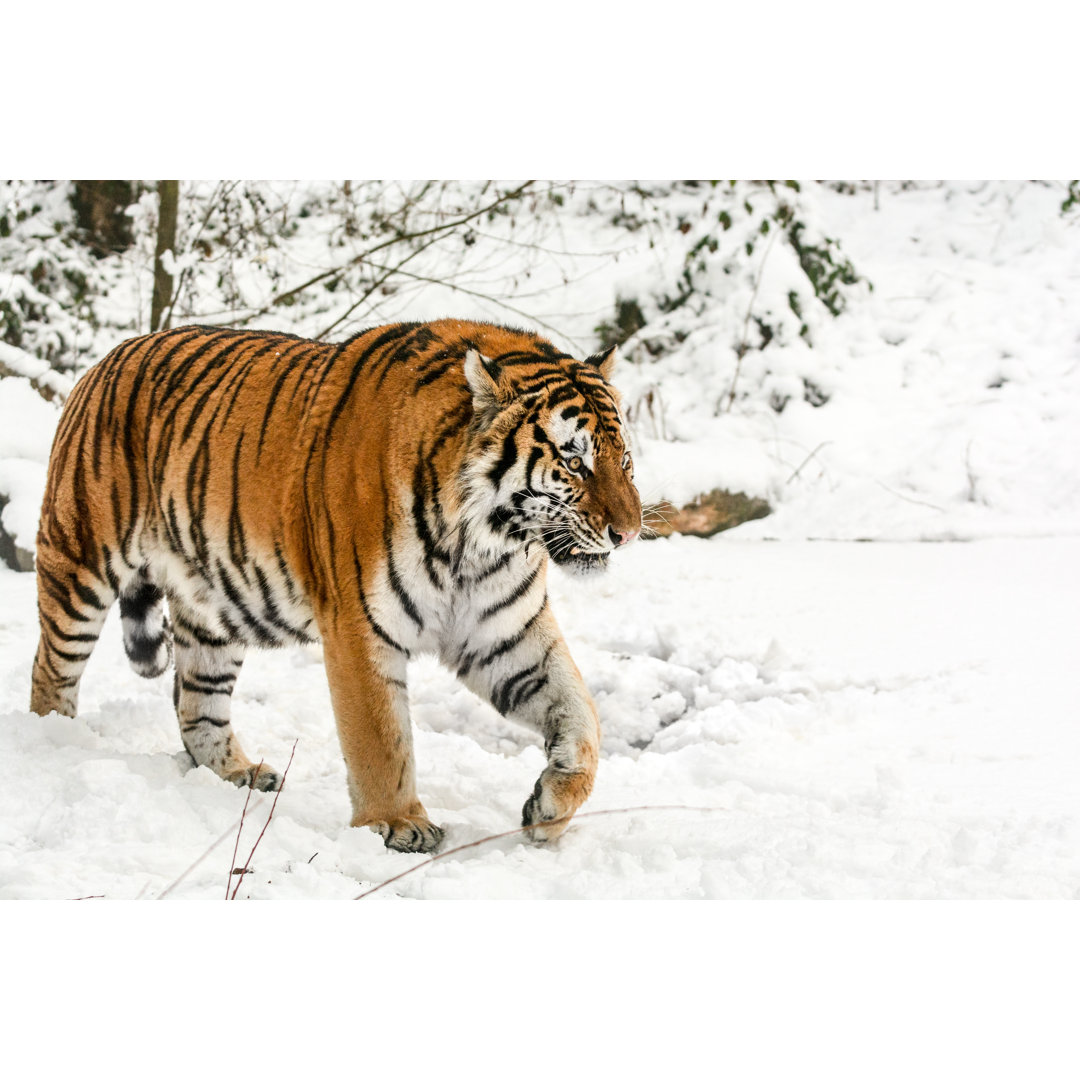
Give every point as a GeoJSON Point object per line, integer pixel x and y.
{"type": "Point", "coordinates": [395, 494]}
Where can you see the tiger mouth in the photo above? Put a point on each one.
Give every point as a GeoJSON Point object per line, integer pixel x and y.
{"type": "Point", "coordinates": [574, 559]}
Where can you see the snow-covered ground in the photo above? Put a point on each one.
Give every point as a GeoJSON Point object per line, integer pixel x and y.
{"type": "Point", "coordinates": [865, 720]}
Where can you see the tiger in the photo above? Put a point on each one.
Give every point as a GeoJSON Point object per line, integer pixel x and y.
{"type": "Point", "coordinates": [396, 494]}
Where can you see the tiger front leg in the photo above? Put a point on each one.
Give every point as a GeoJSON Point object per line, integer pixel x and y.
{"type": "Point", "coordinates": [371, 707]}
{"type": "Point", "coordinates": [571, 729]}
{"type": "Point", "coordinates": [531, 679]}
{"type": "Point", "coordinates": [566, 782]}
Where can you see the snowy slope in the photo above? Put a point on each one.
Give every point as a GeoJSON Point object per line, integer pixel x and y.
{"type": "Point", "coordinates": [873, 720]}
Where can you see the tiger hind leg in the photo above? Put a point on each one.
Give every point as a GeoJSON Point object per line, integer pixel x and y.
{"type": "Point", "coordinates": [72, 604]}
{"type": "Point", "coordinates": [206, 671]}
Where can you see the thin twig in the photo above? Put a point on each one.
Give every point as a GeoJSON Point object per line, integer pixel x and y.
{"type": "Point", "coordinates": [744, 348]}
{"type": "Point", "coordinates": [492, 300]}
{"type": "Point", "coordinates": [528, 828]}
{"type": "Point", "coordinates": [225, 190]}
{"type": "Point", "coordinates": [906, 498]}
{"type": "Point", "coordinates": [282, 297]}
{"type": "Point", "coordinates": [807, 460]}
{"type": "Point", "coordinates": [224, 836]}
{"type": "Point", "coordinates": [269, 816]}
{"type": "Point", "coordinates": [243, 816]}
{"type": "Point", "coordinates": [375, 285]}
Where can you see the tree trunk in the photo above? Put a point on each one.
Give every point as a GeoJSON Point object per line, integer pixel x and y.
{"type": "Point", "coordinates": [168, 198]}
{"type": "Point", "coordinates": [99, 211]}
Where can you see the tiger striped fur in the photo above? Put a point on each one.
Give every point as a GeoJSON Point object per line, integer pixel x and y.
{"type": "Point", "coordinates": [395, 494]}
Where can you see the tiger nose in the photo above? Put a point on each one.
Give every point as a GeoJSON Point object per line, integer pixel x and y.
{"type": "Point", "coordinates": [619, 538]}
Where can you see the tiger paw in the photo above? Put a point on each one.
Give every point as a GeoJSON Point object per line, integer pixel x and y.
{"type": "Point", "coordinates": [408, 834]}
{"type": "Point", "coordinates": [554, 799]}
{"type": "Point", "coordinates": [261, 777]}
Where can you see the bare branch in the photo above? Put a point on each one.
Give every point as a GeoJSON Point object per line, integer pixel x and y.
{"type": "Point", "coordinates": [492, 300]}
{"type": "Point", "coordinates": [273, 807]}
{"type": "Point", "coordinates": [240, 829]}
{"type": "Point", "coordinates": [744, 347]}
{"type": "Point", "coordinates": [223, 837]}
{"type": "Point", "coordinates": [806, 460]}
{"type": "Point", "coordinates": [528, 828]}
{"type": "Point", "coordinates": [401, 238]}
{"type": "Point", "coordinates": [374, 286]}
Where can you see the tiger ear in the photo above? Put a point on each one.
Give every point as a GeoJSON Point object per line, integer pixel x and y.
{"type": "Point", "coordinates": [482, 375]}
{"type": "Point", "coordinates": [604, 361]}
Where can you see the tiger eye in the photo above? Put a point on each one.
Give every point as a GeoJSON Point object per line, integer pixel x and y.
{"type": "Point", "coordinates": [574, 464]}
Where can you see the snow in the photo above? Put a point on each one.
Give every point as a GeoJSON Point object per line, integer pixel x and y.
{"type": "Point", "coordinates": [21, 484]}
{"type": "Point", "coordinates": [25, 440]}
{"type": "Point", "coordinates": [870, 720]}
{"type": "Point", "coordinates": [839, 719]}
{"type": "Point", "coordinates": [954, 387]}
{"type": "Point", "coordinates": [22, 363]}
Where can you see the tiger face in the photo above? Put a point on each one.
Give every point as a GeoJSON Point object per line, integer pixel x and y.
{"type": "Point", "coordinates": [561, 470]}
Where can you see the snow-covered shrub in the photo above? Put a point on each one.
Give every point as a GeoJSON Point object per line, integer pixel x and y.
{"type": "Point", "coordinates": [51, 282]}
{"type": "Point", "coordinates": [747, 280]}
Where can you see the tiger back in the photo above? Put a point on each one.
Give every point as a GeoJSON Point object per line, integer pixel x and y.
{"type": "Point", "coordinates": [397, 494]}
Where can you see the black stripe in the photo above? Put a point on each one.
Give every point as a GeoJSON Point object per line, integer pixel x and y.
{"type": "Point", "coordinates": [379, 631]}
{"type": "Point", "coordinates": [86, 594]}
{"type": "Point", "coordinates": [62, 597]}
{"type": "Point", "coordinates": [506, 459]}
{"type": "Point", "coordinates": [438, 373]}
{"type": "Point", "coordinates": [199, 633]}
{"type": "Point", "coordinates": [62, 634]}
{"type": "Point", "coordinates": [275, 390]}
{"type": "Point", "coordinates": [110, 574]}
{"type": "Point", "coordinates": [509, 643]}
{"type": "Point", "coordinates": [195, 688]}
{"type": "Point", "coordinates": [271, 610]}
{"type": "Point", "coordinates": [284, 568]}
{"type": "Point", "coordinates": [227, 373]}
{"type": "Point", "coordinates": [385, 338]}
{"type": "Point", "coordinates": [513, 597]}
{"type": "Point", "coordinates": [189, 724]}
{"type": "Point", "coordinates": [226, 678]}
{"type": "Point", "coordinates": [494, 568]}
{"type": "Point", "coordinates": [143, 372]}
{"type": "Point", "coordinates": [70, 657]}
{"type": "Point", "coordinates": [237, 541]}
{"type": "Point", "coordinates": [218, 364]}
{"type": "Point", "coordinates": [501, 696]}
{"type": "Point", "coordinates": [262, 635]}
{"type": "Point", "coordinates": [394, 578]}
{"type": "Point", "coordinates": [527, 692]}
{"type": "Point", "coordinates": [195, 495]}
{"type": "Point", "coordinates": [561, 394]}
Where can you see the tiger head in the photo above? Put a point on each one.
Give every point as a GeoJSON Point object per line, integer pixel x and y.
{"type": "Point", "coordinates": [553, 455]}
